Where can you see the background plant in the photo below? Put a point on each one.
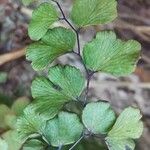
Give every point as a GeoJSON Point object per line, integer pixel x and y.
{"type": "Point", "coordinates": [8, 116]}
{"type": "Point", "coordinates": [44, 120]}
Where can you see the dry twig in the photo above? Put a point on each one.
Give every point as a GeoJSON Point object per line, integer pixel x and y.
{"type": "Point", "coordinates": [4, 58]}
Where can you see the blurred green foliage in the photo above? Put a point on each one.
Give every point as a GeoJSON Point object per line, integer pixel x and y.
{"type": "Point", "coordinates": [8, 116]}
{"type": "Point", "coordinates": [3, 77]}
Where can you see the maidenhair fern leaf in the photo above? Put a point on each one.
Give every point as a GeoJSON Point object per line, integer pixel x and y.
{"type": "Point", "coordinates": [64, 84]}
{"type": "Point", "coordinates": [42, 17]}
{"type": "Point", "coordinates": [64, 130]}
{"type": "Point", "coordinates": [107, 54]}
{"type": "Point", "coordinates": [56, 42]}
{"type": "Point", "coordinates": [98, 117]}
{"type": "Point", "coordinates": [93, 12]}
{"type": "Point", "coordinates": [127, 127]}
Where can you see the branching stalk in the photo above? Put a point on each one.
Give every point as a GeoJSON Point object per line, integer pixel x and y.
{"type": "Point", "coordinates": [89, 75]}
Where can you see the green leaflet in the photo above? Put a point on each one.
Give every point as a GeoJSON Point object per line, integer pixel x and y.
{"type": "Point", "coordinates": [116, 144]}
{"type": "Point", "coordinates": [93, 12]}
{"type": "Point", "coordinates": [27, 2]}
{"type": "Point", "coordinates": [107, 54]}
{"type": "Point", "coordinates": [42, 17]}
{"type": "Point", "coordinates": [48, 100]}
{"type": "Point", "coordinates": [69, 79]}
{"type": "Point", "coordinates": [98, 117]}
{"type": "Point", "coordinates": [34, 145]}
{"type": "Point", "coordinates": [61, 38]}
{"type": "Point", "coordinates": [64, 84]}
{"type": "Point", "coordinates": [30, 123]}
{"type": "Point", "coordinates": [126, 128]}
{"type": "Point", "coordinates": [56, 42]}
{"type": "Point", "coordinates": [64, 130]}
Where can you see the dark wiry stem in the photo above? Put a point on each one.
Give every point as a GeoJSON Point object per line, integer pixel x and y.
{"type": "Point", "coordinates": [77, 142]}
{"type": "Point", "coordinates": [89, 76]}
{"type": "Point", "coordinates": [88, 73]}
{"type": "Point", "coordinates": [72, 27]}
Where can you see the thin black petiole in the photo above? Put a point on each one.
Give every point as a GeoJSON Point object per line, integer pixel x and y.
{"type": "Point", "coordinates": [78, 41]}
{"type": "Point", "coordinates": [72, 27]}
{"type": "Point", "coordinates": [77, 142]}
{"type": "Point", "coordinates": [81, 60]}
{"type": "Point", "coordinates": [59, 7]}
{"type": "Point", "coordinates": [89, 76]}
